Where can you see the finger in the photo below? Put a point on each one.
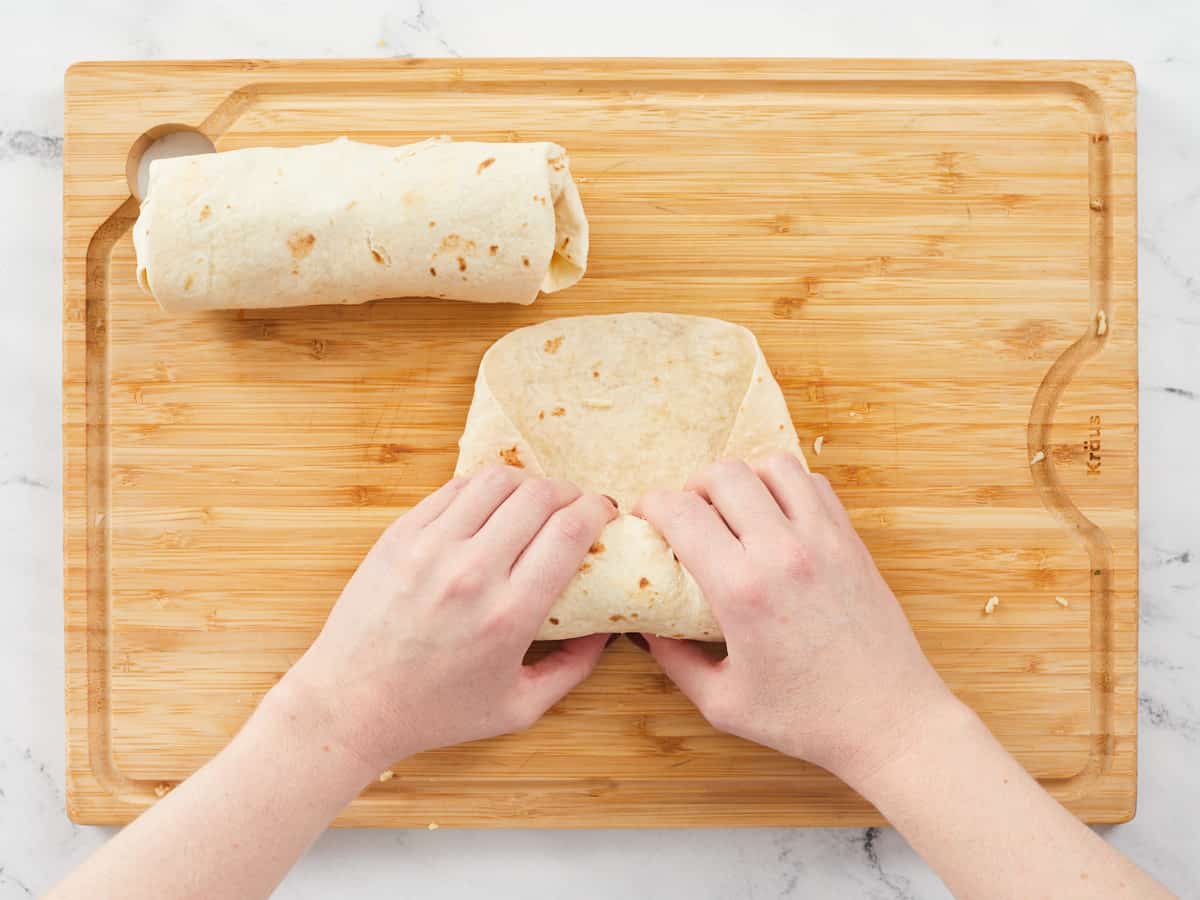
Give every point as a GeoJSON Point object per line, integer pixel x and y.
{"type": "Point", "coordinates": [554, 555]}
{"type": "Point", "coordinates": [434, 504]}
{"type": "Point", "coordinates": [550, 679]}
{"type": "Point", "coordinates": [791, 485]}
{"type": "Point", "coordinates": [478, 499]}
{"type": "Point", "coordinates": [522, 515]}
{"type": "Point", "coordinates": [698, 535]}
{"type": "Point", "coordinates": [739, 496]}
{"type": "Point", "coordinates": [830, 501]}
{"type": "Point", "coordinates": [693, 670]}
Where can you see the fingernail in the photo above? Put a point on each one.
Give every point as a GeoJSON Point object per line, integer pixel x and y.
{"type": "Point", "coordinates": [611, 638]}
{"type": "Point", "coordinates": [638, 641]}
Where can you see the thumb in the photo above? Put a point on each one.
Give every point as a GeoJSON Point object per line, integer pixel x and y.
{"type": "Point", "coordinates": [550, 679]}
{"type": "Point", "coordinates": [693, 670]}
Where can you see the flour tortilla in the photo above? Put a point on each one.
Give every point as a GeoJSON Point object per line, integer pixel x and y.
{"type": "Point", "coordinates": [619, 405]}
{"type": "Point", "coordinates": [345, 222]}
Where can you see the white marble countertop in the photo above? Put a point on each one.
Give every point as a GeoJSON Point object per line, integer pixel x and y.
{"type": "Point", "coordinates": [1160, 37]}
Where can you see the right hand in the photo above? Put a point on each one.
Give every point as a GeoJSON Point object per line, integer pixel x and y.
{"type": "Point", "coordinates": [822, 663]}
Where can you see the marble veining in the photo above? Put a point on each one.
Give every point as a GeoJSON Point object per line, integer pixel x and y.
{"type": "Point", "coordinates": [44, 147]}
{"type": "Point", "coordinates": [37, 842]}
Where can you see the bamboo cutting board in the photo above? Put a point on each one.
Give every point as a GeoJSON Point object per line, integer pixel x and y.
{"type": "Point", "coordinates": [923, 249]}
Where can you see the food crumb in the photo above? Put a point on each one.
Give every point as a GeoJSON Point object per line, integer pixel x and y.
{"type": "Point", "coordinates": [558, 411]}
{"type": "Point", "coordinates": [1062, 601]}
{"type": "Point", "coordinates": [161, 790]}
{"type": "Point", "coordinates": [493, 249]}
{"type": "Point", "coordinates": [511, 457]}
{"type": "Point", "coordinates": [205, 212]}
{"type": "Point", "coordinates": [990, 606]}
{"type": "Point", "coordinates": [433, 271]}
{"type": "Point", "coordinates": [386, 775]}
{"type": "Point", "coordinates": [818, 443]}
{"type": "Point", "coordinates": [541, 414]}
{"type": "Point", "coordinates": [483, 165]}
{"type": "Point", "coordinates": [1101, 323]}
{"type": "Point", "coordinates": [462, 264]}
{"type": "Point", "coordinates": [525, 261]}
{"type": "Point", "coordinates": [552, 344]}
{"type": "Point", "coordinates": [1037, 458]}
{"type": "Point", "coordinates": [643, 582]}
{"type": "Point", "coordinates": [433, 826]}
{"type": "Point", "coordinates": [596, 548]}
{"type": "Point", "coordinates": [597, 403]}
{"type": "Point", "coordinates": [553, 621]}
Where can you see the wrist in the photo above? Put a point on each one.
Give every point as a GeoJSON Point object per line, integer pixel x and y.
{"type": "Point", "coordinates": [909, 743]}
{"type": "Point", "coordinates": [302, 716]}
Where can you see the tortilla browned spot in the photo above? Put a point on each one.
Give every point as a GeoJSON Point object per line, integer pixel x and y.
{"type": "Point", "coordinates": [301, 244]}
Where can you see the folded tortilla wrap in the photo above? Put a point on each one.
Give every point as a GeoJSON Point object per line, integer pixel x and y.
{"type": "Point", "coordinates": [621, 404]}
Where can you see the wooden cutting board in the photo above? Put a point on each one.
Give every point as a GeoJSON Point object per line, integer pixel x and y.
{"type": "Point", "coordinates": [924, 250]}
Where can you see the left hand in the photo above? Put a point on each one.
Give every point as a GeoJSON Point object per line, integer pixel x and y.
{"type": "Point", "coordinates": [424, 647]}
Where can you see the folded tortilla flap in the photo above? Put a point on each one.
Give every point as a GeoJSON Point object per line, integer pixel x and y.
{"type": "Point", "coordinates": [631, 581]}
{"type": "Point", "coordinates": [763, 421]}
{"type": "Point", "coordinates": [490, 437]}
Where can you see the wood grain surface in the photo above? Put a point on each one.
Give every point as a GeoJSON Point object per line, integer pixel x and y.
{"type": "Point", "coordinates": [923, 250]}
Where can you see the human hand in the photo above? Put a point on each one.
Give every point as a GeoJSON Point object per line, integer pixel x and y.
{"type": "Point", "coordinates": [424, 647]}
{"type": "Point", "coordinates": [822, 663]}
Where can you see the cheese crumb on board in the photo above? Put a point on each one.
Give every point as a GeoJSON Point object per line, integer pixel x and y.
{"type": "Point", "coordinates": [990, 606]}
{"type": "Point", "coordinates": [818, 443]}
{"type": "Point", "coordinates": [1037, 457]}
{"type": "Point", "coordinates": [1101, 323]}
{"type": "Point", "coordinates": [1062, 601]}
{"type": "Point", "coordinates": [386, 775]}
{"type": "Point", "coordinates": [433, 826]}
{"type": "Point", "coordinates": [161, 790]}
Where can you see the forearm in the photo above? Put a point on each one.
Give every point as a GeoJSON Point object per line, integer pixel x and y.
{"type": "Point", "coordinates": [984, 825]}
{"type": "Point", "coordinates": [235, 827]}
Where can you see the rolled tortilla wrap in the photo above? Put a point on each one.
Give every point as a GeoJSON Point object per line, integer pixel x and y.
{"type": "Point", "coordinates": [346, 222]}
